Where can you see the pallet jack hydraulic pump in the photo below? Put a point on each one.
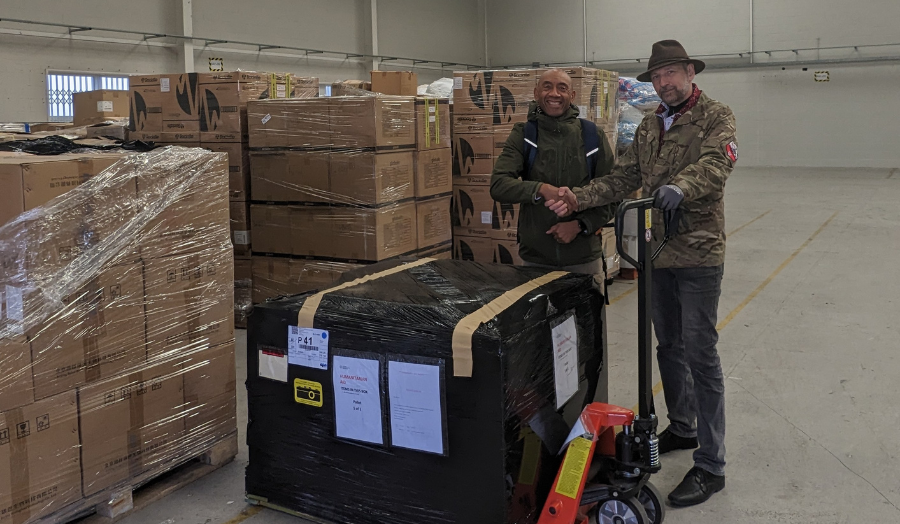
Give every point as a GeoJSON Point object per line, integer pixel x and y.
{"type": "Point", "coordinates": [605, 477]}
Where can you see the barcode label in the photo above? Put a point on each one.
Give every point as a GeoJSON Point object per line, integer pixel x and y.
{"type": "Point", "coordinates": [308, 347]}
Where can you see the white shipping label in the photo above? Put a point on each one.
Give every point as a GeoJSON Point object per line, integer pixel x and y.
{"type": "Point", "coordinates": [242, 238]}
{"type": "Point", "coordinates": [565, 360]}
{"type": "Point", "coordinates": [104, 106]}
{"type": "Point", "coordinates": [266, 118]}
{"type": "Point", "coordinates": [487, 217]}
{"type": "Point", "coordinates": [308, 347]}
{"type": "Point", "coordinates": [431, 109]}
{"type": "Point", "coordinates": [431, 119]}
{"type": "Point", "coordinates": [599, 112]}
{"type": "Point", "coordinates": [583, 110]}
{"type": "Point", "coordinates": [280, 91]}
{"type": "Point", "coordinates": [273, 365]}
{"type": "Point", "coordinates": [416, 416]}
{"type": "Point", "coordinates": [357, 399]}
{"type": "Point", "coordinates": [164, 85]}
{"type": "Point", "coordinates": [457, 82]}
{"type": "Point", "coordinates": [15, 308]}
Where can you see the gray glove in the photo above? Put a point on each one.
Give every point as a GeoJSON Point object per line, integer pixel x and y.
{"type": "Point", "coordinates": [668, 198]}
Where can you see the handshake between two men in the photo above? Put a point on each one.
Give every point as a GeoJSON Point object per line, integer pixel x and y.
{"type": "Point", "coordinates": [563, 201]}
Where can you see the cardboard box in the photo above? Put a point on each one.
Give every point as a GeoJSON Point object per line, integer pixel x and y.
{"type": "Point", "coordinates": [290, 176]}
{"type": "Point", "coordinates": [240, 227]}
{"type": "Point", "coordinates": [301, 123]}
{"type": "Point", "coordinates": [434, 172]}
{"type": "Point", "coordinates": [93, 107]}
{"type": "Point", "coordinates": [475, 249]}
{"type": "Point", "coordinates": [30, 181]}
{"type": "Point", "coordinates": [116, 131]}
{"type": "Point", "coordinates": [97, 334]}
{"type": "Point", "coordinates": [374, 234]}
{"type": "Point", "coordinates": [384, 122]}
{"type": "Point", "coordinates": [210, 406]}
{"type": "Point", "coordinates": [432, 123]}
{"type": "Point", "coordinates": [196, 220]}
{"type": "Point", "coordinates": [401, 83]}
{"type": "Point", "coordinates": [277, 276]}
{"type": "Point", "coordinates": [221, 104]}
{"type": "Point", "coordinates": [472, 92]}
{"type": "Point", "coordinates": [350, 87]}
{"type": "Point", "coordinates": [180, 96]}
{"type": "Point", "coordinates": [182, 126]}
{"type": "Point", "coordinates": [189, 301]}
{"type": "Point", "coordinates": [433, 221]}
{"type": "Point", "coordinates": [146, 136]}
{"type": "Point", "coordinates": [473, 154]}
{"type": "Point", "coordinates": [181, 138]}
{"type": "Point", "coordinates": [271, 226]}
{"type": "Point", "coordinates": [238, 167]}
{"type": "Point", "coordinates": [145, 108]}
{"type": "Point", "coordinates": [468, 124]}
{"type": "Point", "coordinates": [16, 383]}
{"type": "Point", "coordinates": [243, 268]}
{"type": "Point", "coordinates": [131, 424]}
{"type": "Point", "coordinates": [370, 178]}
{"type": "Point", "coordinates": [472, 180]}
{"type": "Point", "coordinates": [40, 463]}
{"type": "Point", "coordinates": [506, 246]}
{"type": "Point", "coordinates": [511, 94]}
{"type": "Point", "coordinates": [473, 207]}
{"type": "Point", "coordinates": [506, 216]}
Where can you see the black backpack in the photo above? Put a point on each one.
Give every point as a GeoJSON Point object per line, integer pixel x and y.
{"type": "Point", "coordinates": [589, 137]}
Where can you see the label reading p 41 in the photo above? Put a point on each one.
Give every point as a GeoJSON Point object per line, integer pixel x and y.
{"type": "Point", "coordinates": [308, 347]}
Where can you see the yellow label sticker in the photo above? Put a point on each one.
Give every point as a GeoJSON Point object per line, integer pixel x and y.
{"type": "Point", "coordinates": [308, 392]}
{"type": "Point", "coordinates": [574, 467]}
{"type": "Point", "coordinates": [648, 219]}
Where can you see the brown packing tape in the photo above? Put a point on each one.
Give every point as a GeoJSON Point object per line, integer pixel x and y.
{"type": "Point", "coordinates": [308, 312]}
{"type": "Point", "coordinates": [136, 428]}
{"type": "Point", "coordinates": [465, 329]}
{"type": "Point", "coordinates": [20, 481]}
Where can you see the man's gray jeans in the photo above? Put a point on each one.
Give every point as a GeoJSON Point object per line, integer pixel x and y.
{"type": "Point", "coordinates": [685, 304]}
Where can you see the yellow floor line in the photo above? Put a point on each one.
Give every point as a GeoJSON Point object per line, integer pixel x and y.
{"type": "Point", "coordinates": [245, 514]}
{"type": "Point", "coordinates": [734, 312]}
{"type": "Point", "coordinates": [634, 287]}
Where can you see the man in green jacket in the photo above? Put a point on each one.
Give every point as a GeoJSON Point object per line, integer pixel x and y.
{"type": "Point", "coordinates": [544, 239]}
{"type": "Point", "coordinates": [682, 156]}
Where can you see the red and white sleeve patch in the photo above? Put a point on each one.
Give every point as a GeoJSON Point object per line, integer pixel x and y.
{"type": "Point", "coordinates": [731, 151]}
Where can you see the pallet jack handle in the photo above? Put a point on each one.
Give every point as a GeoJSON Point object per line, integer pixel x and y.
{"type": "Point", "coordinates": [644, 266]}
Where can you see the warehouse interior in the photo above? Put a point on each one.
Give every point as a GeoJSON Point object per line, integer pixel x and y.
{"type": "Point", "coordinates": [807, 318]}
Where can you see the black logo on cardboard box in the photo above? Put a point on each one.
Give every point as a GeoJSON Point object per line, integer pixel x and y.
{"type": "Point", "coordinates": [4, 436]}
{"type": "Point", "coordinates": [23, 429]}
{"type": "Point", "coordinates": [463, 157]}
{"type": "Point", "coordinates": [504, 106]}
{"type": "Point", "coordinates": [186, 93]}
{"type": "Point", "coordinates": [503, 255]}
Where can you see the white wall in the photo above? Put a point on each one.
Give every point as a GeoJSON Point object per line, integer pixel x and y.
{"type": "Point", "coordinates": [438, 30]}
{"type": "Point", "coordinates": [784, 117]}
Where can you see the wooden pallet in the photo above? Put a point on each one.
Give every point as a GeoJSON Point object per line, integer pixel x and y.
{"type": "Point", "coordinates": [117, 503]}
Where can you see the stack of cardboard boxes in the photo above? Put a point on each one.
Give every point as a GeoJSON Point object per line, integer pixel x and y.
{"type": "Point", "coordinates": [116, 334]}
{"type": "Point", "coordinates": [338, 182]}
{"type": "Point", "coordinates": [210, 110]}
{"type": "Point", "coordinates": [486, 105]}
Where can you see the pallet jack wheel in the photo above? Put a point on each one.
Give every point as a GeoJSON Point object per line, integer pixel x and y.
{"type": "Point", "coordinates": [619, 511]}
{"type": "Point", "coordinates": [652, 500]}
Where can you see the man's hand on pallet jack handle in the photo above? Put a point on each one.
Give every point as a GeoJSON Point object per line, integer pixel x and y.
{"type": "Point", "coordinates": [668, 197]}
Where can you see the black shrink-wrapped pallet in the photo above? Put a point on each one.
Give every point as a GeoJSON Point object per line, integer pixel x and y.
{"type": "Point", "coordinates": [342, 434]}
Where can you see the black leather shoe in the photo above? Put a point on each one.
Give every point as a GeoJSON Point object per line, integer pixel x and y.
{"type": "Point", "coordinates": [669, 441]}
{"type": "Point", "coordinates": [697, 487]}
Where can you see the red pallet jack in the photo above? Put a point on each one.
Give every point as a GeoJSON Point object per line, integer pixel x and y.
{"type": "Point", "coordinates": [604, 477]}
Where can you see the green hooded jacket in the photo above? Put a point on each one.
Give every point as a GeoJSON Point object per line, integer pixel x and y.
{"type": "Point", "coordinates": [560, 162]}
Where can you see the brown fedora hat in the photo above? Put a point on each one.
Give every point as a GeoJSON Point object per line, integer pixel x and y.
{"type": "Point", "coordinates": [668, 52]}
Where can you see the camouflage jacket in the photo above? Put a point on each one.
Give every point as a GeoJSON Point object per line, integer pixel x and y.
{"type": "Point", "coordinates": [696, 154]}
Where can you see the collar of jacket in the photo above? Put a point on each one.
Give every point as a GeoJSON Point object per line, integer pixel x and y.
{"type": "Point", "coordinates": [536, 114]}
{"type": "Point", "coordinates": [687, 114]}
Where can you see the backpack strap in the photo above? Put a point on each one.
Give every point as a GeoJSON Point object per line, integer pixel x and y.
{"type": "Point", "coordinates": [591, 141]}
{"type": "Point", "coordinates": [531, 141]}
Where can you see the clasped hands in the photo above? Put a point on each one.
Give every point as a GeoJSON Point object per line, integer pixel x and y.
{"type": "Point", "coordinates": [560, 200]}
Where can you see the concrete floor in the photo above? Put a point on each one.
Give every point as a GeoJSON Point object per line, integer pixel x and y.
{"type": "Point", "coordinates": [809, 345]}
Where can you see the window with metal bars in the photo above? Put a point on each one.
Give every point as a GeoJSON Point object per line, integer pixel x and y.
{"type": "Point", "coordinates": [61, 85]}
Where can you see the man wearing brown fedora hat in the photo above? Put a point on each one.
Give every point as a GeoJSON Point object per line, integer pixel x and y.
{"type": "Point", "coordinates": [682, 156]}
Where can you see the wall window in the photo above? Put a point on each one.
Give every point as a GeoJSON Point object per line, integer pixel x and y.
{"type": "Point", "coordinates": [61, 85]}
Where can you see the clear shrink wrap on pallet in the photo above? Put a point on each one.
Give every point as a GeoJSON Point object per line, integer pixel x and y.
{"type": "Point", "coordinates": [116, 334]}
